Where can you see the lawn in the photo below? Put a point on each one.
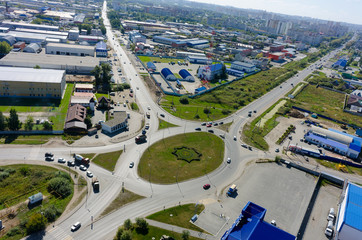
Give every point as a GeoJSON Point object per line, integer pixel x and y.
{"type": "Point", "coordinates": [162, 124]}
{"type": "Point", "coordinates": [179, 216]}
{"type": "Point", "coordinates": [157, 233]}
{"type": "Point", "coordinates": [122, 199]}
{"type": "Point", "coordinates": [227, 99]}
{"type": "Point", "coordinates": [22, 182]}
{"type": "Point", "coordinates": [56, 107]}
{"type": "Point", "coordinates": [98, 95]}
{"type": "Point", "coordinates": [325, 102]}
{"type": "Point", "coordinates": [146, 59]}
{"type": "Point", "coordinates": [26, 139]}
{"type": "Point", "coordinates": [159, 165]}
{"type": "Point", "coordinates": [107, 160]}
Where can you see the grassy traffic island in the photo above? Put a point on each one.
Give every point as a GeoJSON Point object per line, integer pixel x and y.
{"type": "Point", "coordinates": [181, 157]}
{"type": "Point", "coordinates": [17, 183]}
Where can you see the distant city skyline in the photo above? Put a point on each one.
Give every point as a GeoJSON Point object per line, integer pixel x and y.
{"type": "Point", "coordinates": [340, 11]}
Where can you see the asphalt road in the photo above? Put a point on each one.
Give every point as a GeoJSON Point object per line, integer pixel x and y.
{"type": "Point", "coordinates": [157, 196]}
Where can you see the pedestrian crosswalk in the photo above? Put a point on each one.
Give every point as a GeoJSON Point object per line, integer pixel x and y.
{"type": "Point", "coordinates": [57, 233]}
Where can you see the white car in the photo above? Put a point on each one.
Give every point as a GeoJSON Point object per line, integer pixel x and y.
{"type": "Point", "coordinates": [149, 108]}
{"type": "Point", "coordinates": [75, 226]}
{"type": "Point", "coordinates": [83, 168]}
{"type": "Point", "coordinates": [131, 165]}
{"type": "Point", "coordinates": [228, 160]}
{"type": "Point", "coordinates": [61, 160]}
{"type": "Point", "coordinates": [89, 174]}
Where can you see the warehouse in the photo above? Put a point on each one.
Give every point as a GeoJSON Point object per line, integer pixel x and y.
{"type": "Point", "coordinates": [29, 37]}
{"type": "Point", "coordinates": [349, 223]}
{"type": "Point", "coordinates": [197, 59]}
{"type": "Point", "coordinates": [242, 66]}
{"type": "Point", "coordinates": [14, 25]}
{"type": "Point", "coordinates": [69, 49]}
{"type": "Point", "coordinates": [90, 39]}
{"type": "Point", "coordinates": [186, 75]}
{"type": "Point", "coordinates": [199, 43]}
{"type": "Point", "coordinates": [32, 48]}
{"type": "Point", "coordinates": [169, 41]}
{"type": "Point", "coordinates": [151, 66]}
{"type": "Point", "coordinates": [72, 65]}
{"type": "Point", "coordinates": [180, 54]}
{"type": "Point", "coordinates": [209, 72]}
{"type": "Point", "coordinates": [234, 72]}
{"type": "Point", "coordinates": [9, 39]}
{"type": "Point", "coordinates": [168, 75]}
{"type": "Point", "coordinates": [73, 34]}
{"type": "Point", "coordinates": [101, 49]}
{"type": "Point", "coordinates": [336, 141]}
{"type": "Point", "coordinates": [30, 82]}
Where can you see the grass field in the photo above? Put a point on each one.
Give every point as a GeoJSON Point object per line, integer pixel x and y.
{"type": "Point", "coordinates": [24, 182]}
{"type": "Point", "coordinates": [146, 59]}
{"type": "Point", "coordinates": [98, 95]}
{"type": "Point", "coordinates": [122, 199]}
{"type": "Point", "coordinates": [162, 124]}
{"type": "Point", "coordinates": [107, 160]}
{"type": "Point", "coordinates": [179, 216]}
{"type": "Point", "coordinates": [159, 165]}
{"type": "Point", "coordinates": [325, 102]}
{"type": "Point", "coordinates": [26, 139]}
{"type": "Point", "coordinates": [157, 233]}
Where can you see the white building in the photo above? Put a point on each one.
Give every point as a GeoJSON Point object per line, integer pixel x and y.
{"type": "Point", "coordinates": [70, 49]}
{"type": "Point", "coordinates": [118, 123]}
{"type": "Point", "coordinates": [242, 66]}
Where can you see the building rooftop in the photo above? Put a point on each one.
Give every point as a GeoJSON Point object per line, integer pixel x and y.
{"type": "Point", "coordinates": [76, 113]}
{"type": "Point", "coordinates": [37, 26]}
{"type": "Point", "coordinates": [31, 75]}
{"type": "Point", "coordinates": [84, 86]}
{"type": "Point", "coordinates": [118, 117]}
{"type": "Point", "coordinates": [64, 45]}
{"type": "Point", "coordinates": [243, 64]}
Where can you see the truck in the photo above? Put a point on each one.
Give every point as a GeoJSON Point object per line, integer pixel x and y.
{"type": "Point", "coordinates": [232, 189]}
{"type": "Point", "coordinates": [79, 159]}
{"type": "Point", "coordinates": [95, 184]}
{"type": "Point", "coordinates": [141, 139]}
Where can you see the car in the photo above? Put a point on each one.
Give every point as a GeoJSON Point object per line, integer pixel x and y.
{"type": "Point", "coordinates": [228, 160]}
{"type": "Point", "coordinates": [250, 148]}
{"type": "Point", "coordinates": [235, 138]}
{"type": "Point", "coordinates": [131, 164]}
{"type": "Point", "coordinates": [197, 129]}
{"type": "Point", "coordinates": [249, 115]}
{"type": "Point", "coordinates": [203, 124]}
{"type": "Point", "coordinates": [329, 229]}
{"type": "Point", "coordinates": [221, 123]}
{"type": "Point", "coordinates": [254, 111]}
{"type": "Point", "coordinates": [206, 186]}
{"type": "Point", "coordinates": [71, 163]}
{"type": "Point", "coordinates": [331, 215]}
{"type": "Point", "coordinates": [75, 226]}
{"type": "Point", "coordinates": [147, 126]}
{"type": "Point", "coordinates": [211, 131]}
{"type": "Point", "coordinates": [89, 174]}
{"type": "Point", "coordinates": [277, 150]}
{"type": "Point", "coordinates": [61, 160]}
{"type": "Point", "coordinates": [96, 136]}
{"type": "Point", "coordinates": [162, 115]}
{"type": "Point", "coordinates": [222, 135]}
{"type": "Point", "coordinates": [144, 131]}
{"type": "Point", "coordinates": [48, 154]}
{"type": "Point", "coordinates": [244, 145]}
{"type": "Point", "coordinates": [209, 125]}
{"type": "Point", "coordinates": [216, 124]}
{"type": "Point", "coordinates": [148, 108]}
{"type": "Point", "coordinates": [83, 168]}
{"type": "Point", "coordinates": [49, 159]}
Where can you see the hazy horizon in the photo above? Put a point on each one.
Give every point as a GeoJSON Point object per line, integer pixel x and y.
{"type": "Point", "coordinates": [340, 11]}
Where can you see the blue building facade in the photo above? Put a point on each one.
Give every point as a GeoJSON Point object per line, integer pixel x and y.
{"type": "Point", "coordinates": [101, 49]}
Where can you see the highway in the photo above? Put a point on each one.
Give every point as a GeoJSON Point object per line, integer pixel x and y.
{"type": "Point", "coordinates": [156, 196]}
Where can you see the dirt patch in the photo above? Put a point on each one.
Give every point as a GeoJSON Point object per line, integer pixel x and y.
{"type": "Point", "coordinates": [155, 92]}
{"type": "Point", "coordinates": [270, 114]}
{"type": "Point", "coordinates": [79, 79]}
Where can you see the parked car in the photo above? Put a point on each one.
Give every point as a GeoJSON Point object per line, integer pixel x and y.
{"type": "Point", "coordinates": [71, 163]}
{"type": "Point", "coordinates": [228, 160]}
{"type": "Point", "coordinates": [61, 160]}
{"type": "Point", "coordinates": [211, 131]}
{"type": "Point", "coordinates": [89, 174]}
{"type": "Point", "coordinates": [277, 150]}
{"type": "Point", "coordinates": [162, 115]}
{"type": "Point", "coordinates": [75, 226]}
{"type": "Point", "coordinates": [203, 124]}
{"type": "Point", "coordinates": [49, 159]}
{"type": "Point", "coordinates": [83, 168]}
{"type": "Point", "coordinates": [331, 215]}
{"type": "Point", "coordinates": [48, 154]}
{"type": "Point", "coordinates": [206, 186]}
{"type": "Point", "coordinates": [244, 145]}
{"type": "Point", "coordinates": [235, 138]}
{"type": "Point", "coordinates": [131, 165]}
{"type": "Point", "coordinates": [198, 129]}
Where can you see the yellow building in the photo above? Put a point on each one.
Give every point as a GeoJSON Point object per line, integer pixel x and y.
{"type": "Point", "coordinates": [30, 82]}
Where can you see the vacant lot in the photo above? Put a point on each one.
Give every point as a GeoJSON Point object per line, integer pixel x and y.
{"type": "Point", "coordinates": [325, 102]}
{"type": "Point", "coordinates": [159, 165]}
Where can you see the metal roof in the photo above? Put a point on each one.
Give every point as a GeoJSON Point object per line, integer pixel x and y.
{"type": "Point", "coordinates": [166, 72]}
{"type": "Point", "coordinates": [330, 142]}
{"type": "Point", "coordinates": [16, 74]}
{"type": "Point", "coordinates": [353, 211]}
{"type": "Point", "coordinates": [118, 118]}
{"type": "Point", "coordinates": [74, 46]}
{"type": "Point", "coordinates": [101, 46]}
{"type": "Point", "coordinates": [332, 135]}
{"type": "Point", "coordinates": [184, 73]}
{"type": "Point", "coordinates": [244, 64]}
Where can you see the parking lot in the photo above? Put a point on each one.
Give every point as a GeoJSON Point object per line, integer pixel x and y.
{"type": "Point", "coordinates": [284, 192]}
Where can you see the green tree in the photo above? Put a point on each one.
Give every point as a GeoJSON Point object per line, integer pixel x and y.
{"type": "Point", "coordinates": [29, 123]}
{"type": "Point", "coordinates": [127, 224]}
{"type": "Point", "coordinates": [185, 235]}
{"type": "Point", "coordinates": [126, 235]}
{"type": "Point", "coordinates": [184, 100]}
{"type": "Point", "coordinates": [118, 234]}
{"type": "Point", "coordinates": [88, 122]}
{"type": "Point", "coordinates": [47, 126]}
{"type": "Point", "coordinates": [51, 213]}
{"type": "Point", "coordinates": [13, 121]}
{"type": "Point", "coordinates": [36, 223]}
{"type": "Point", "coordinates": [60, 186]}
{"type": "Point", "coordinates": [207, 110]}
{"type": "Point", "coordinates": [37, 67]}
{"type": "Point", "coordinates": [2, 122]}
{"type": "Point", "coordinates": [97, 72]}
{"type": "Point", "coordinates": [106, 77]}
{"type": "Point", "coordinates": [141, 225]}
{"type": "Point", "coordinates": [4, 48]}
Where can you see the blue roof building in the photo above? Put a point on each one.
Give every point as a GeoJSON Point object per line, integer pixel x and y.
{"type": "Point", "coordinates": [186, 75]}
{"type": "Point", "coordinates": [200, 89]}
{"type": "Point", "coordinates": [234, 72]}
{"type": "Point", "coordinates": [250, 225]}
{"type": "Point", "coordinates": [209, 72]}
{"type": "Point", "coordinates": [349, 221]}
{"type": "Point", "coordinates": [341, 63]}
{"type": "Point", "coordinates": [151, 66]}
{"type": "Point", "coordinates": [101, 49]}
{"type": "Point", "coordinates": [197, 59]}
{"type": "Point", "coordinates": [168, 75]}
{"type": "Point", "coordinates": [169, 41]}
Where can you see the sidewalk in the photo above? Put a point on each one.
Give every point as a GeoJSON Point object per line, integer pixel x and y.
{"type": "Point", "coordinates": [179, 229]}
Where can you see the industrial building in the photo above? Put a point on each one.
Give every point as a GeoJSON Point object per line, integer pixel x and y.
{"type": "Point", "coordinates": [72, 65]}
{"type": "Point", "coordinates": [277, 56]}
{"type": "Point", "coordinates": [234, 72]}
{"type": "Point", "coordinates": [168, 75]}
{"type": "Point", "coordinates": [209, 72]}
{"type": "Point", "coordinates": [84, 88]}
{"type": "Point", "coordinates": [101, 49]}
{"type": "Point", "coordinates": [198, 43]}
{"type": "Point", "coordinates": [169, 41]}
{"type": "Point", "coordinates": [29, 37]}
{"type": "Point", "coordinates": [336, 141]}
{"type": "Point", "coordinates": [136, 37]}
{"type": "Point", "coordinates": [30, 82]}
{"type": "Point", "coordinates": [74, 122]}
{"type": "Point", "coordinates": [186, 76]}
{"type": "Point", "coordinates": [9, 39]}
{"type": "Point", "coordinates": [14, 25]}
{"type": "Point", "coordinates": [151, 66]}
{"type": "Point", "coordinates": [73, 34]}
{"type": "Point", "coordinates": [242, 66]}
{"type": "Point", "coordinates": [197, 59]}
{"type": "Point", "coordinates": [250, 225]}
{"type": "Point", "coordinates": [32, 48]}
{"type": "Point", "coordinates": [349, 220]}
{"type": "Point", "coordinates": [69, 49]}
{"type": "Point", "coordinates": [276, 48]}
{"type": "Point", "coordinates": [118, 123]}
{"type": "Point", "coordinates": [90, 39]}
{"type": "Point", "coordinates": [180, 54]}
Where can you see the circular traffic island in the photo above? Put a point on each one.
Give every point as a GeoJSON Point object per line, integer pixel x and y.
{"type": "Point", "coordinates": [181, 157]}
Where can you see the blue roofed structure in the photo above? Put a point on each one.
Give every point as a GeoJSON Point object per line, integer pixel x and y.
{"type": "Point", "coordinates": [151, 66]}
{"type": "Point", "coordinates": [209, 72]}
{"type": "Point", "coordinates": [101, 49]}
{"type": "Point", "coordinates": [186, 75]}
{"type": "Point", "coordinates": [200, 89]}
{"type": "Point", "coordinates": [168, 75]}
{"type": "Point", "coordinates": [349, 221]}
{"type": "Point", "coordinates": [341, 63]}
{"type": "Point", "coordinates": [250, 225]}
{"type": "Point", "coordinates": [234, 72]}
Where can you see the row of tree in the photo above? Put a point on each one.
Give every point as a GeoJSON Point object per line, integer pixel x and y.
{"type": "Point", "coordinates": [13, 123]}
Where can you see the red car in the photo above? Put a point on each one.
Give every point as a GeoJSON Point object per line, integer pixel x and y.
{"type": "Point", "coordinates": [206, 186]}
{"type": "Point", "coordinates": [209, 125]}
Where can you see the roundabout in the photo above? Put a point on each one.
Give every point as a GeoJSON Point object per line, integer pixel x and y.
{"type": "Point", "coordinates": [181, 157]}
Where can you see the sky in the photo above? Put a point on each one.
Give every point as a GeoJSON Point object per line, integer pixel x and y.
{"type": "Point", "coordinates": [335, 10]}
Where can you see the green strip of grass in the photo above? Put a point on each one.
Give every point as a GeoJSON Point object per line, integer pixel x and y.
{"type": "Point", "coordinates": [162, 124]}
{"type": "Point", "coordinates": [157, 233]}
{"type": "Point", "coordinates": [134, 106]}
{"type": "Point", "coordinates": [179, 216]}
{"type": "Point", "coordinates": [88, 155]}
{"type": "Point", "coordinates": [26, 139]}
{"type": "Point", "coordinates": [107, 160]}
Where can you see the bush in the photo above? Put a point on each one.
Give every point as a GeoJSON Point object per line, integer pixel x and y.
{"type": "Point", "coordinates": [36, 223]}
{"type": "Point", "coordinates": [141, 226]}
{"type": "Point", "coordinates": [118, 234]}
{"type": "Point", "coordinates": [225, 111]}
{"type": "Point", "coordinates": [62, 174]}
{"type": "Point", "coordinates": [126, 86]}
{"type": "Point", "coordinates": [24, 171]}
{"type": "Point", "coordinates": [14, 231]}
{"type": "Point", "coordinates": [184, 100]}
{"type": "Point", "coordinates": [197, 116]}
{"type": "Point", "coordinates": [10, 170]}
{"type": "Point", "coordinates": [127, 224]}
{"type": "Point", "coordinates": [51, 213]}
{"type": "Point", "coordinates": [60, 186]}
{"type": "Point", "coordinates": [4, 175]}
{"type": "Point", "coordinates": [207, 110]}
